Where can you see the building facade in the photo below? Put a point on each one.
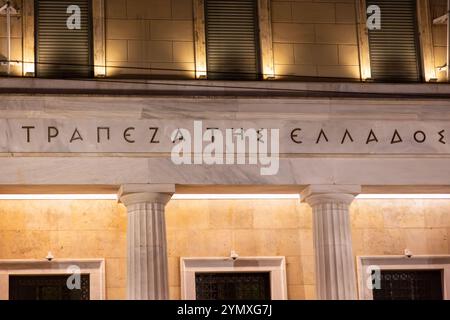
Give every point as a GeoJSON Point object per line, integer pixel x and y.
{"type": "Point", "coordinates": [120, 128]}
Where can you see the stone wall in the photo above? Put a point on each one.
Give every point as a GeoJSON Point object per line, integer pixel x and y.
{"type": "Point", "coordinates": [147, 38]}
{"type": "Point", "coordinates": [251, 228]}
{"type": "Point", "coordinates": [16, 41]}
{"type": "Point", "coordinates": [69, 229]}
{"type": "Point", "coordinates": [387, 227]}
{"type": "Point", "coordinates": [150, 37]}
{"type": "Point", "coordinates": [315, 39]}
{"type": "Point", "coordinates": [97, 229]}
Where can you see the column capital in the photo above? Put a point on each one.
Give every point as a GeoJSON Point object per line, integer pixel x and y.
{"type": "Point", "coordinates": [317, 194]}
{"type": "Point", "coordinates": [130, 194]}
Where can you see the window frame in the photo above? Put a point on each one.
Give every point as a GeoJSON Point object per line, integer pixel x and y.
{"type": "Point", "coordinates": [90, 40]}
{"type": "Point", "coordinates": [95, 268]}
{"type": "Point", "coordinates": [275, 265]}
{"type": "Point", "coordinates": [424, 29]}
{"type": "Point", "coordinates": [422, 262]}
{"type": "Point", "coordinates": [98, 52]}
{"type": "Point", "coordinates": [266, 60]}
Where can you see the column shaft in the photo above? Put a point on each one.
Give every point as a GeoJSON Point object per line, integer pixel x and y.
{"type": "Point", "coordinates": [335, 268]}
{"type": "Point", "coordinates": [147, 252]}
{"type": "Point", "coordinates": [147, 267]}
{"type": "Point", "coordinates": [335, 265]}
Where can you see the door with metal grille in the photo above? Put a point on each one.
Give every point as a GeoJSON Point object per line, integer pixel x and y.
{"type": "Point", "coordinates": [232, 286]}
{"type": "Point", "coordinates": [63, 52]}
{"type": "Point", "coordinates": [394, 50]}
{"type": "Point", "coordinates": [409, 285]}
{"type": "Point", "coordinates": [232, 39]}
{"type": "Point", "coordinates": [46, 287]}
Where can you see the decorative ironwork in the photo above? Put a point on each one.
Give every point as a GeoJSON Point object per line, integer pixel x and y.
{"type": "Point", "coordinates": [46, 287]}
{"type": "Point", "coordinates": [232, 286]}
{"type": "Point", "coordinates": [410, 285]}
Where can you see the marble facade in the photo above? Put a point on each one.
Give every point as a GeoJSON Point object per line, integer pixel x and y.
{"type": "Point", "coordinates": [142, 254]}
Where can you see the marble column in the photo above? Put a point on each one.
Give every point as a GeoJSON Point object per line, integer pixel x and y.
{"type": "Point", "coordinates": [334, 260]}
{"type": "Point", "coordinates": [147, 268]}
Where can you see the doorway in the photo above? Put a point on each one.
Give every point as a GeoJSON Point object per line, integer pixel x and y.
{"type": "Point", "coordinates": [46, 287]}
{"type": "Point", "coordinates": [233, 286]}
{"type": "Point", "coordinates": [409, 285]}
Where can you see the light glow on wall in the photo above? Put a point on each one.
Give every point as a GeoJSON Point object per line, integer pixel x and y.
{"type": "Point", "coordinates": [28, 69]}
{"type": "Point", "coordinates": [269, 72]}
{"type": "Point", "coordinates": [234, 196]}
{"type": "Point", "coordinates": [214, 196]}
{"type": "Point", "coordinates": [174, 197]}
{"type": "Point", "coordinates": [200, 73]}
{"type": "Point", "coordinates": [403, 196]}
{"type": "Point", "coordinates": [366, 73]}
{"type": "Point", "coordinates": [58, 197]}
{"type": "Point", "coordinates": [100, 71]}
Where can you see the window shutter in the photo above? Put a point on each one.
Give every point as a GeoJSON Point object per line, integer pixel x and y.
{"type": "Point", "coordinates": [394, 50]}
{"type": "Point", "coordinates": [61, 52]}
{"type": "Point", "coordinates": [232, 39]}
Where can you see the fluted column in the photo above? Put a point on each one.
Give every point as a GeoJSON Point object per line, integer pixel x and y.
{"type": "Point", "coordinates": [335, 266]}
{"type": "Point", "coordinates": [147, 268]}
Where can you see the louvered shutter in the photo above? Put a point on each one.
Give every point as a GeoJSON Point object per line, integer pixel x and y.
{"type": "Point", "coordinates": [232, 39]}
{"type": "Point", "coordinates": [61, 52]}
{"type": "Point", "coordinates": [394, 50]}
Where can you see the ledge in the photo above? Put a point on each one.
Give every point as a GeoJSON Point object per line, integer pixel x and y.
{"type": "Point", "coordinates": [222, 88]}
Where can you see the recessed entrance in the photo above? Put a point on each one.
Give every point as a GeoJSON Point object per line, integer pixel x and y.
{"type": "Point", "coordinates": [47, 280]}
{"type": "Point", "coordinates": [233, 286]}
{"type": "Point", "coordinates": [403, 278]}
{"type": "Point", "coordinates": [46, 287]}
{"type": "Point", "coordinates": [221, 278]}
{"type": "Point", "coordinates": [410, 285]}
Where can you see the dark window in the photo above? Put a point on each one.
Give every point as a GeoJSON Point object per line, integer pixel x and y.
{"type": "Point", "coordinates": [48, 287]}
{"type": "Point", "coordinates": [232, 41]}
{"type": "Point", "coordinates": [410, 285]}
{"type": "Point", "coordinates": [232, 286]}
{"type": "Point", "coordinates": [62, 52]}
{"type": "Point", "coordinates": [394, 50]}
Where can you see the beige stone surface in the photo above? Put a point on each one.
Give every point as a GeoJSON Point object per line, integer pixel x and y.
{"type": "Point", "coordinates": [310, 292]}
{"type": "Point", "coordinates": [296, 292]}
{"type": "Point", "coordinates": [391, 226]}
{"type": "Point", "coordinates": [69, 229]}
{"type": "Point", "coordinates": [150, 38]}
{"type": "Point", "coordinates": [348, 55]}
{"type": "Point", "coordinates": [116, 293]}
{"type": "Point", "coordinates": [182, 9]}
{"type": "Point", "coordinates": [211, 228]}
{"type": "Point", "coordinates": [281, 11]}
{"type": "Point", "coordinates": [116, 9]}
{"type": "Point", "coordinates": [345, 12]}
{"type": "Point", "coordinates": [183, 51]}
{"type": "Point", "coordinates": [322, 35]}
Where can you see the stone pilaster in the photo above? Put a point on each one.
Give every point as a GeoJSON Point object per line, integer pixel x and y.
{"type": "Point", "coordinates": [147, 268]}
{"type": "Point", "coordinates": [335, 266]}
